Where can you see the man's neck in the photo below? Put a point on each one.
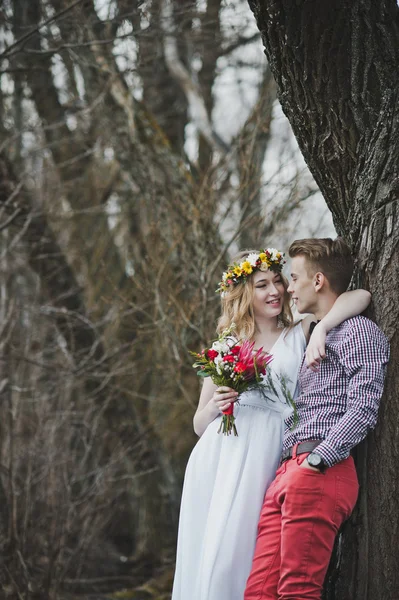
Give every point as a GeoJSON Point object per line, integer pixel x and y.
{"type": "Point", "coordinates": [324, 305]}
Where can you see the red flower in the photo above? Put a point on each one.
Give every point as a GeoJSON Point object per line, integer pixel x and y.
{"type": "Point", "coordinates": [235, 350]}
{"type": "Point", "coordinates": [240, 367]}
{"type": "Point", "coordinates": [212, 354]}
{"type": "Point", "coordinates": [229, 358]}
{"type": "Point", "coordinates": [249, 357]}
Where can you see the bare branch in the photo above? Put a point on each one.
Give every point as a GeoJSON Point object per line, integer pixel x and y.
{"type": "Point", "coordinates": [241, 41]}
{"type": "Point", "coordinates": [37, 28]}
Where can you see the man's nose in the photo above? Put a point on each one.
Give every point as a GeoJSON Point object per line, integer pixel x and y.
{"type": "Point", "coordinates": [289, 289]}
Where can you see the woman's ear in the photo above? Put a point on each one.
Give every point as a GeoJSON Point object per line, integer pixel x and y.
{"type": "Point", "coordinates": [319, 281]}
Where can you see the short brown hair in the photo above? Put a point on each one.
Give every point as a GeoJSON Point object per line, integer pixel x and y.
{"type": "Point", "coordinates": [333, 258]}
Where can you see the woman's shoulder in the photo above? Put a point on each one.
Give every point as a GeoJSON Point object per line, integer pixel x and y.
{"type": "Point", "coordinates": [295, 334]}
{"type": "Point", "coordinates": [295, 328]}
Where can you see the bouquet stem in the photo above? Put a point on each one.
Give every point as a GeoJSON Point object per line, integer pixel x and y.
{"type": "Point", "coordinates": [227, 425]}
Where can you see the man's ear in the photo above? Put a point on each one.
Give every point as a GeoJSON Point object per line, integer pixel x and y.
{"type": "Point", "coordinates": [319, 281]}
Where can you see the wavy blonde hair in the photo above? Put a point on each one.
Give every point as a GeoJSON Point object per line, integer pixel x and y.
{"type": "Point", "coordinates": [237, 306]}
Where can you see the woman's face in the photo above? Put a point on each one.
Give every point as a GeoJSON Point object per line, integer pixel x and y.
{"type": "Point", "coordinates": [268, 294]}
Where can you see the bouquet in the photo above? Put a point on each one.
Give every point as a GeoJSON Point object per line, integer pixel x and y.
{"type": "Point", "coordinates": [234, 364]}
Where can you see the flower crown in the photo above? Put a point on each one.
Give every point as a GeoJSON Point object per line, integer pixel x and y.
{"type": "Point", "coordinates": [270, 258]}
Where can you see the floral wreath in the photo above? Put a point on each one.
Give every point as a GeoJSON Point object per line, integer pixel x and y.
{"type": "Point", "coordinates": [270, 258]}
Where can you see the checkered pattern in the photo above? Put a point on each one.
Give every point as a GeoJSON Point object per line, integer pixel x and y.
{"type": "Point", "coordinates": [339, 403]}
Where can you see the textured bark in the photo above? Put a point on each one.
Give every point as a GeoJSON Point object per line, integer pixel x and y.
{"type": "Point", "coordinates": [336, 65]}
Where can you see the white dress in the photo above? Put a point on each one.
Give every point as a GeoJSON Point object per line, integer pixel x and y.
{"type": "Point", "coordinates": [224, 486]}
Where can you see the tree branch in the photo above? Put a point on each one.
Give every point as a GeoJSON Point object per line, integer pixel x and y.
{"type": "Point", "coordinates": [37, 28]}
{"type": "Point", "coordinates": [198, 112]}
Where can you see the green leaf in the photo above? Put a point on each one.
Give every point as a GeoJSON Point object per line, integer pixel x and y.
{"type": "Point", "coordinates": [202, 374]}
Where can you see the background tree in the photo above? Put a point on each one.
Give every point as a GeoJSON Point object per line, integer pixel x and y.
{"type": "Point", "coordinates": [336, 66]}
{"type": "Point", "coordinates": [140, 145]}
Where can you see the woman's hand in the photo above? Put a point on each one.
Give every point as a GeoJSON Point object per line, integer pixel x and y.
{"type": "Point", "coordinates": [222, 397]}
{"type": "Point", "coordinates": [316, 349]}
{"type": "Point", "coordinates": [213, 401]}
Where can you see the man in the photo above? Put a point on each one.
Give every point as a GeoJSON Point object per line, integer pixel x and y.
{"type": "Point", "coordinates": [316, 486]}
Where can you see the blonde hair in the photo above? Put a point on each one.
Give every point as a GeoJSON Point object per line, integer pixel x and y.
{"type": "Point", "coordinates": [237, 306]}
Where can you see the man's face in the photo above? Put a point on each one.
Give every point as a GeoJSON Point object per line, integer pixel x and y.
{"type": "Point", "coordinates": [302, 287]}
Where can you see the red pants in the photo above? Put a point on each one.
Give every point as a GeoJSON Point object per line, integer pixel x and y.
{"type": "Point", "coordinates": [302, 512]}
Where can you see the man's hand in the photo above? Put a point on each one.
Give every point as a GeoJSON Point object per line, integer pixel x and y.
{"type": "Point", "coordinates": [305, 465]}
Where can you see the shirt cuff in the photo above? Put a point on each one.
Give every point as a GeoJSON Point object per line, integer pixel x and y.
{"type": "Point", "coordinates": [329, 454]}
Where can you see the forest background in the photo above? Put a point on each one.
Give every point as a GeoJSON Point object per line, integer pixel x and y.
{"type": "Point", "coordinates": [141, 145]}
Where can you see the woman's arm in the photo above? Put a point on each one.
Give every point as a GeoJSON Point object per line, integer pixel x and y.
{"type": "Point", "coordinates": [213, 400]}
{"type": "Point", "coordinates": [347, 305]}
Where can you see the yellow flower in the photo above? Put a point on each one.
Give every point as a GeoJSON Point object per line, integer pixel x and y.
{"type": "Point", "coordinates": [247, 267]}
{"type": "Point", "coordinates": [237, 271]}
{"type": "Point", "coordinates": [262, 256]}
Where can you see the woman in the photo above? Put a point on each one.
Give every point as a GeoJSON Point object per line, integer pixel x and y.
{"type": "Point", "coordinates": [227, 476]}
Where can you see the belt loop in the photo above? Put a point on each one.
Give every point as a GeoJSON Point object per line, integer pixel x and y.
{"type": "Point", "coordinates": [294, 449]}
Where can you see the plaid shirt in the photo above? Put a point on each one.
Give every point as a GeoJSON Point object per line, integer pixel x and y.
{"type": "Point", "coordinates": [339, 403]}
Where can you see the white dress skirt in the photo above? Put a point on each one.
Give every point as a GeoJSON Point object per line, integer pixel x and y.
{"type": "Point", "coordinates": [225, 483]}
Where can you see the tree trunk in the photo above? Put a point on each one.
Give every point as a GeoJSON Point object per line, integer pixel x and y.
{"type": "Point", "coordinates": [212, 42]}
{"type": "Point", "coordinates": [336, 68]}
{"type": "Point", "coordinates": [253, 142]}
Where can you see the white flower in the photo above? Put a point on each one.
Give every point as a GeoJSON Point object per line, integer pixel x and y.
{"type": "Point", "coordinates": [252, 258]}
{"type": "Point", "coordinates": [231, 341]}
{"type": "Point", "coordinates": [273, 253]}
{"type": "Point", "coordinates": [218, 359]}
{"type": "Point", "coordinates": [220, 347]}
{"type": "Point", "coordinates": [263, 267]}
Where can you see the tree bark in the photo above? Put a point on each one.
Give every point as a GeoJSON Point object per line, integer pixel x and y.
{"type": "Point", "coordinates": [336, 66]}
